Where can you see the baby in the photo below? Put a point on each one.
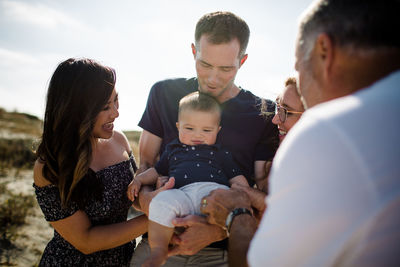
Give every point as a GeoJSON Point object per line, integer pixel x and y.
{"type": "Point", "coordinates": [198, 165]}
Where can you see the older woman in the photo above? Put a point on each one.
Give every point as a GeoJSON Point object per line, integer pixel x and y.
{"type": "Point", "coordinates": [288, 108]}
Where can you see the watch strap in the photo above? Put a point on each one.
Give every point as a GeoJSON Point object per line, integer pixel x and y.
{"type": "Point", "coordinates": [232, 215]}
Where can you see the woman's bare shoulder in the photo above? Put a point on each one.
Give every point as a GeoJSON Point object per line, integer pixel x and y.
{"type": "Point", "coordinates": [121, 139]}
{"type": "Point", "coordinates": [38, 177]}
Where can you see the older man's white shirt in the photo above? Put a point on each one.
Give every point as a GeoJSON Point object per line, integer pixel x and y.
{"type": "Point", "coordinates": [335, 185]}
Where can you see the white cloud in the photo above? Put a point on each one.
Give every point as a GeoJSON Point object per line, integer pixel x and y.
{"type": "Point", "coordinates": [38, 14]}
{"type": "Point", "coordinates": [9, 58]}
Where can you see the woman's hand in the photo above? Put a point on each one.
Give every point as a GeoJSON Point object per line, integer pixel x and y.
{"type": "Point", "coordinates": [133, 189]}
{"type": "Point", "coordinates": [162, 180]}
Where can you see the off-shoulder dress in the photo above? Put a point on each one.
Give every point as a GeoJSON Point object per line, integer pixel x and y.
{"type": "Point", "coordinates": [112, 209]}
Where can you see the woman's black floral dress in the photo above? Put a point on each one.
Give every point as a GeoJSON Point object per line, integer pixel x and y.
{"type": "Point", "coordinates": [113, 209]}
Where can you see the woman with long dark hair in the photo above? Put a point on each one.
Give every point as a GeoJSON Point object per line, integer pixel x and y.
{"type": "Point", "coordinates": [83, 170]}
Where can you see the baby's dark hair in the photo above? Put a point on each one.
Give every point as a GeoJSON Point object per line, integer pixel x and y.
{"type": "Point", "coordinates": [198, 101]}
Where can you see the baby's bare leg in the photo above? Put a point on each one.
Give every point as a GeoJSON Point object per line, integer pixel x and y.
{"type": "Point", "coordinates": [159, 237]}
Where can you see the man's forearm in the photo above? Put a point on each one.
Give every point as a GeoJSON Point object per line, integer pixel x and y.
{"type": "Point", "coordinates": [143, 167]}
{"type": "Point", "coordinates": [149, 147]}
{"type": "Point", "coordinates": [242, 231]}
{"type": "Point", "coordinates": [148, 177]}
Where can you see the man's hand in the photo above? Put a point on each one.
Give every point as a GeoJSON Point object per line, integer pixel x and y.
{"type": "Point", "coordinates": [257, 199]}
{"type": "Point", "coordinates": [217, 206]}
{"type": "Point", "coordinates": [220, 202]}
{"type": "Point", "coordinates": [146, 195]}
{"type": "Point", "coordinates": [197, 235]}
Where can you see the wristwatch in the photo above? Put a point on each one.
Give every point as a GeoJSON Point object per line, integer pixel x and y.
{"type": "Point", "coordinates": [232, 215]}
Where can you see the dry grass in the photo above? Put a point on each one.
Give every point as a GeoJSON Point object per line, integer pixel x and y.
{"type": "Point", "coordinates": [14, 209]}
{"type": "Point", "coordinates": [16, 153]}
{"type": "Point", "coordinates": [18, 212]}
{"type": "Point", "coordinates": [133, 137]}
{"type": "Point", "coordinates": [18, 134]}
{"type": "Point", "coordinates": [20, 124]}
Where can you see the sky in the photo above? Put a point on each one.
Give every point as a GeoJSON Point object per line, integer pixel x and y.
{"type": "Point", "coordinates": [144, 41]}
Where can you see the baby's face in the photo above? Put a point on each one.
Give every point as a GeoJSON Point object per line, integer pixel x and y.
{"type": "Point", "coordinates": [198, 127]}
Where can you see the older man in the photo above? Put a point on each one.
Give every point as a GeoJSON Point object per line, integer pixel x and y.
{"type": "Point", "coordinates": [335, 181]}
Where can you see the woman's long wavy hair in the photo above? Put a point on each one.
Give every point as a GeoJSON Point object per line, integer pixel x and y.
{"type": "Point", "coordinates": [78, 90]}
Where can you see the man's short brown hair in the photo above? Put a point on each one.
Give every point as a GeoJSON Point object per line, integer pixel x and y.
{"type": "Point", "coordinates": [223, 27]}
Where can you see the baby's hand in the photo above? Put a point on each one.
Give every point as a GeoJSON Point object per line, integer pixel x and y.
{"type": "Point", "coordinates": [133, 189]}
